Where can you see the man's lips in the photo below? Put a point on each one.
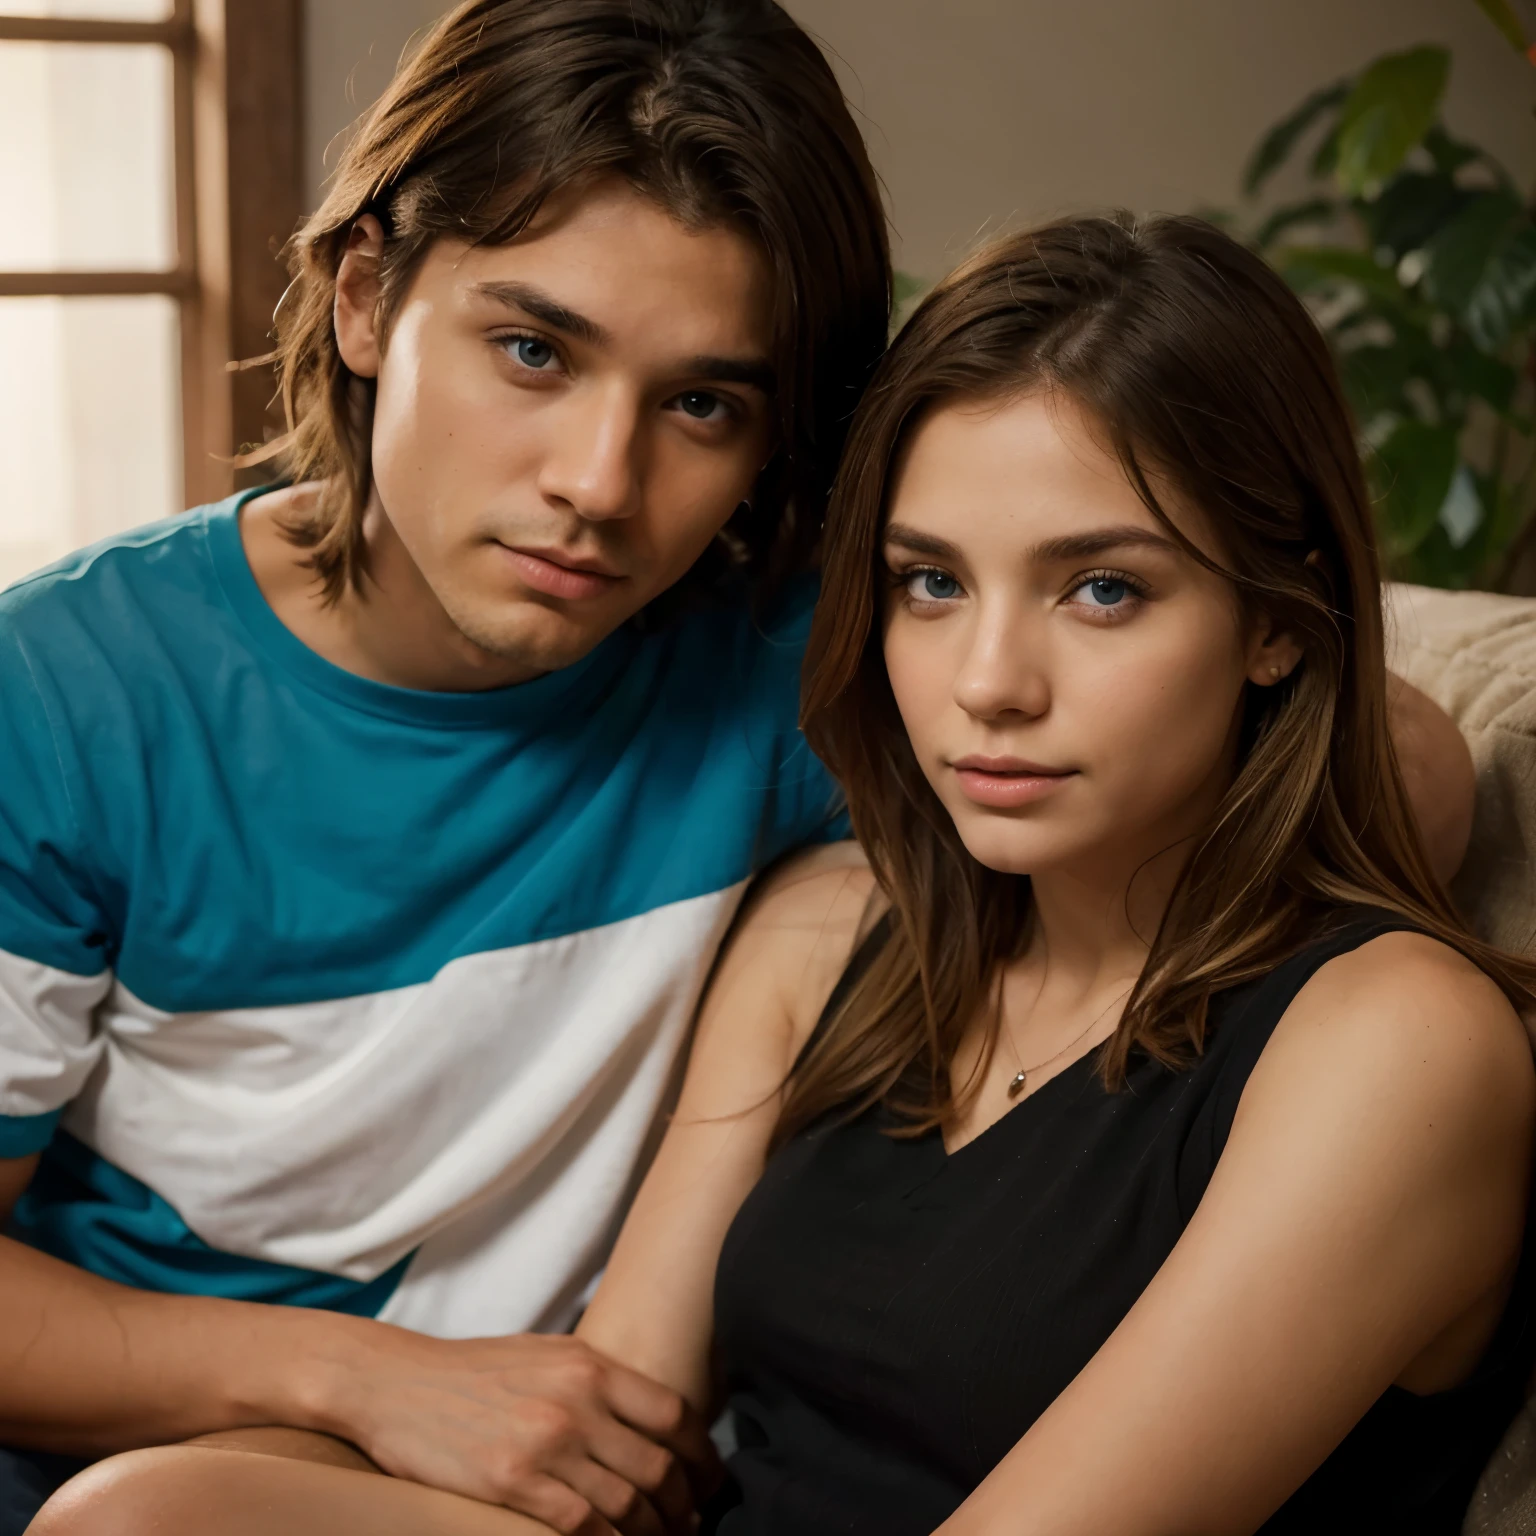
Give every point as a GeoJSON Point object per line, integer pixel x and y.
{"type": "Point", "coordinates": [1004, 782]}
{"type": "Point", "coordinates": [560, 575]}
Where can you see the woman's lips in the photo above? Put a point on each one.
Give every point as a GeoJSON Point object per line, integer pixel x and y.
{"type": "Point", "coordinates": [1003, 784]}
{"type": "Point", "coordinates": [553, 579]}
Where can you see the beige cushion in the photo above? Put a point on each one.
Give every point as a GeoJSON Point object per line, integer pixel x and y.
{"type": "Point", "coordinates": [1474, 654]}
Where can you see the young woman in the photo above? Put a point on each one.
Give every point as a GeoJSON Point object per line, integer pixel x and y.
{"type": "Point", "coordinates": [1158, 1165]}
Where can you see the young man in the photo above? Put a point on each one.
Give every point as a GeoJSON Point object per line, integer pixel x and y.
{"type": "Point", "coordinates": [364, 844]}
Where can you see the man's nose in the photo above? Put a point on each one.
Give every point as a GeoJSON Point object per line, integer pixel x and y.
{"type": "Point", "coordinates": [593, 462]}
{"type": "Point", "coordinates": [1004, 668]}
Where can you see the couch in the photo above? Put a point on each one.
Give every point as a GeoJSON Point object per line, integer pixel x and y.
{"type": "Point", "coordinates": [1474, 654]}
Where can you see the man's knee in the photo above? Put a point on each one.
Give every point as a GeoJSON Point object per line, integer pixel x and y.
{"type": "Point", "coordinates": [156, 1491]}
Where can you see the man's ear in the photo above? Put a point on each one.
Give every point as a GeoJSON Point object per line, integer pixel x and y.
{"type": "Point", "coordinates": [1273, 655]}
{"type": "Point", "coordinates": [355, 312]}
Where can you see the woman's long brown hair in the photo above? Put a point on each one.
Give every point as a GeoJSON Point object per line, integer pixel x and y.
{"type": "Point", "coordinates": [1206, 374]}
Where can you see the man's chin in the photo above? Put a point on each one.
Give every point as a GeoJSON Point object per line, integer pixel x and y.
{"type": "Point", "coordinates": [547, 645]}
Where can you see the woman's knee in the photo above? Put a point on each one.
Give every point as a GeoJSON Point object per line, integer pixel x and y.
{"type": "Point", "coordinates": [165, 1491]}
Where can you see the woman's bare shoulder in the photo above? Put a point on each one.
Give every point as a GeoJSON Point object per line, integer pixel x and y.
{"type": "Point", "coordinates": [1420, 1035]}
{"type": "Point", "coordinates": [798, 928]}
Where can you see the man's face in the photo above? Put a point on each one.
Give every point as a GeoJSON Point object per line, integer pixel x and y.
{"type": "Point", "coordinates": [563, 424]}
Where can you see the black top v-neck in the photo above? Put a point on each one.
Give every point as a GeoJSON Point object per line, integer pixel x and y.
{"type": "Point", "coordinates": [894, 1318]}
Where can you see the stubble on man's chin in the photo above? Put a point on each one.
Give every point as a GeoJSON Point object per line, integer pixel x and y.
{"type": "Point", "coordinates": [535, 654]}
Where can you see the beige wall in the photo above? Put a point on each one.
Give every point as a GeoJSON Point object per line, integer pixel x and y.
{"type": "Point", "coordinates": [984, 111]}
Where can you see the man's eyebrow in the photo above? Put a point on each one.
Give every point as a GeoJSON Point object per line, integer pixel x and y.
{"type": "Point", "coordinates": [534, 301]}
{"type": "Point", "coordinates": [756, 372]}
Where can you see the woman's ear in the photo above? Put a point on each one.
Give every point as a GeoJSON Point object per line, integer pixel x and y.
{"type": "Point", "coordinates": [355, 312]}
{"type": "Point", "coordinates": [1273, 655]}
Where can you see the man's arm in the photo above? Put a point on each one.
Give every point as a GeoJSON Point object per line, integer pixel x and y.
{"type": "Point", "coordinates": [1437, 770]}
{"type": "Point", "coordinates": [537, 1424]}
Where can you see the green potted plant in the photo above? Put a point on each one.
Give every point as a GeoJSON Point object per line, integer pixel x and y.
{"type": "Point", "coordinates": [1417, 252]}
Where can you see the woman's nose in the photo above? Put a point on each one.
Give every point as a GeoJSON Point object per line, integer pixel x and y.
{"type": "Point", "coordinates": [1003, 671]}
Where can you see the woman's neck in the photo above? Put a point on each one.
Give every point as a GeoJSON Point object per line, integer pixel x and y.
{"type": "Point", "coordinates": [1092, 928]}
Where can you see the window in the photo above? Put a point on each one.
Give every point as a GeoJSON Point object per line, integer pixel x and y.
{"type": "Point", "coordinates": [144, 192]}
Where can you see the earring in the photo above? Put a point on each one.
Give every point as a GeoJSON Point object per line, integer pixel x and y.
{"type": "Point", "coordinates": [1274, 673]}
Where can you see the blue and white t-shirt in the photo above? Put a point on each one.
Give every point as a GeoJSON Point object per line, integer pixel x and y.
{"type": "Point", "coordinates": [320, 991]}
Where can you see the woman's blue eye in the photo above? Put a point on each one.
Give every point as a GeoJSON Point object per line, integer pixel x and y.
{"type": "Point", "coordinates": [935, 586]}
{"type": "Point", "coordinates": [533, 353]}
{"type": "Point", "coordinates": [1106, 592]}
{"type": "Point", "coordinates": [698, 404]}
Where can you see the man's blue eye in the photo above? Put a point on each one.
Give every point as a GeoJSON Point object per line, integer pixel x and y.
{"type": "Point", "coordinates": [698, 404]}
{"type": "Point", "coordinates": [533, 353]}
{"type": "Point", "coordinates": [937, 586]}
{"type": "Point", "coordinates": [1106, 592]}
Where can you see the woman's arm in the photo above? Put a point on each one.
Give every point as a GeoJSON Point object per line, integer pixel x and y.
{"type": "Point", "coordinates": [1437, 773]}
{"type": "Point", "coordinates": [1361, 1229]}
{"type": "Point", "coordinates": [654, 1309]}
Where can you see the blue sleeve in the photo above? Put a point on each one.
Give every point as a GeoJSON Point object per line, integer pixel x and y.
{"type": "Point", "coordinates": [53, 939]}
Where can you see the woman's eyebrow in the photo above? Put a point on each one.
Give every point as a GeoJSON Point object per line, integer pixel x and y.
{"type": "Point", "coordinates": [920, 543]}
{"type": "Point", "coordinates": [1070, 546]}
{"type": "Point", "coordinates": [1097, 541]}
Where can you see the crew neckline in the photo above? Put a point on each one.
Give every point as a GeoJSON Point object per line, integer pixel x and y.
{"type": "Point", "coordinates": [509, 705]}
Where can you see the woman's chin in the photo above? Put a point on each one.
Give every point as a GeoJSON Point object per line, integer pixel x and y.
{"type": "Point", "coordinates": [1014, 849]}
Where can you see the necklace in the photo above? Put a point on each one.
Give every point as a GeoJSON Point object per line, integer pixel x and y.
{"type": "Point", "coordinates": [1021, 1077]}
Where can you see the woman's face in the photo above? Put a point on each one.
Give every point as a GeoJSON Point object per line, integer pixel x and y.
{"type": "Point", "coordinates": [1071, 680]}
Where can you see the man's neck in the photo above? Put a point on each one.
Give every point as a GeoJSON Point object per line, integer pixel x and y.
{"type": "Point", "coordinates": [393, 630]}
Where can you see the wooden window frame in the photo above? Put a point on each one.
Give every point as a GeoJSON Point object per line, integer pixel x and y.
{"type": "Point", "coordinates": [237, 146]}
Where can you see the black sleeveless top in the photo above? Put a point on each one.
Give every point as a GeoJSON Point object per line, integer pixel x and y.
{"type": "Point", "coordinates": [893, 1319]}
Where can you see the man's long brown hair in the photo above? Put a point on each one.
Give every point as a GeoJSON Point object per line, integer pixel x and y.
{"type": "Point", "coordinates": [723, 111]}
{"type": "Point", "coordinates": [1206, 374]}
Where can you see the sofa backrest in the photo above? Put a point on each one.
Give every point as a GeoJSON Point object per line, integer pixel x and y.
{"type": "Point", "coordinates": [1474, 654]}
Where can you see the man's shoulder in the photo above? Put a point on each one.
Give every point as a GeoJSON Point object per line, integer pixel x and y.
{"type": "Point", "coordinates": [110, 587]}
{"type": "Point", "coordinates": [746, 650]}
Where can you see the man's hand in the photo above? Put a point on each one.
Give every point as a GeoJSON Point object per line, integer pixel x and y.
{"type": "Point", "coordinates": [540, 1424]}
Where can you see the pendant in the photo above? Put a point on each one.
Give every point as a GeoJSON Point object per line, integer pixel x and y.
{"type": "Point", "coordinates": [1016, 1087]}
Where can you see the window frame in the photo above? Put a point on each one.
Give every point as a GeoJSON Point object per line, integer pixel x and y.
{"type": "Point", "coordinates": [237, 130]}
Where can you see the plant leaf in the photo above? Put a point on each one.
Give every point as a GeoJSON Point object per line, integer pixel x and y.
{"type": "Point", "coordinates": [1411, 208]}
{"type": "Point", "coordinates": [1374, 376]}
{"type": "Point", "coordinates": [1475, 372]}
{"type": "Point", "coordinates": [1393, 105]}
{"type": "Point", "coordinates": [1315, 266]}
{"type": "Point", "coordinates": [1316, 210]}
{"type": "Point", "coordinates": [1502, 14]}
{"type": "Point", "coordinates": [1449, 155]}
{"type": "Point", "coordinates": [1482, 267]}
{"type": "Point", "coordinates": [1326, 161]}
{"type": "Point", "coordinates": [1276, 145]}
{"type": "Point", "coordinates": [1414, 471]}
